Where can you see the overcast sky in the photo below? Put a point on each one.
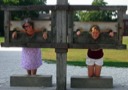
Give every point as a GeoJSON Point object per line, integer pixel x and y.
{"type": "Point", "coordinates": [88, 2]}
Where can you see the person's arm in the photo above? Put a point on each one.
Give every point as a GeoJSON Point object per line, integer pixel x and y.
{"type": "Point", "coordinates": [14, 35]}
{"type": "Point", "coordinates": [15, 32]}
{"type": "Point", "coordinates": [43, 31]}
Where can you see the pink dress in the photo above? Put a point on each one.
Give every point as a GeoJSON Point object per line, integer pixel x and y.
{"type": "Point", "coordinates": [31, 58]}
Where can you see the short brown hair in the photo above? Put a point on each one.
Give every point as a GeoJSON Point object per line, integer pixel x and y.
{"type": "Point", "coordinates": [96, 27]}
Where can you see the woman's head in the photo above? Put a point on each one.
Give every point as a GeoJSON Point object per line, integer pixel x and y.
{"type": "Point", "coordinates": [95, 31]}
{"type": "Point", "coordinates": [28, 26]}
{"type": "Point", "coordinates": [27, 23]}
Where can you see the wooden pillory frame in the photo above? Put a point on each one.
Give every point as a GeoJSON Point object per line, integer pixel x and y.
{"type": "Point", "coordinates": [52, 42]}
{"type": "Point", "coordinates": [63, 27]}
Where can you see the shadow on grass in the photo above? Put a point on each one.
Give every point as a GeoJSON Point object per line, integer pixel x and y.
{"type": "Point", "coordinates": [82, 63]}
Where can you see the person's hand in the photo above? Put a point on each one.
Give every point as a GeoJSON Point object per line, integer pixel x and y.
{"type": "Point", "coordinates": [78, 33]}
{"type": "Point", "coordinates": [14, 35]}
{"type": "Point", "coordinates": [111, 34]}
{"type": "Point", "coordinates": [45, 36]}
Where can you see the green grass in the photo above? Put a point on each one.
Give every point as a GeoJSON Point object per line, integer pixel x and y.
{"type": "Point", "coordinates": [116, 58]}
{"type": "Point", "coordinates": [1, 39]}
{"type": "Point", "coordinates": [112, 57]}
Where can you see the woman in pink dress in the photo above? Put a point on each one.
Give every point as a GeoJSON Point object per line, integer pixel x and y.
{"type": "Point", "coordinates": [31, 57]}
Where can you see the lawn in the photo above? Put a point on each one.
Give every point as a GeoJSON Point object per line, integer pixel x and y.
{"type": "Point", "coordinates": [112, 57]}
{"type": "Point", "coordinates": [1, 39]}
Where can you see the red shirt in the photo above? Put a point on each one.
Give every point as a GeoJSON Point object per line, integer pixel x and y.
{"type": "Point", "coordinates": [95, 54]}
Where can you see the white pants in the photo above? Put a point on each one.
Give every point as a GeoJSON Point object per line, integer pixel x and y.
{"type": "Point", "coordinates": [90, 61]}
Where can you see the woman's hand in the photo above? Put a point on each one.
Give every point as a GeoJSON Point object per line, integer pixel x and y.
{"type": "Point", "coordinates": [111, 34]}
{"type": "Point", "coordinates": [78, 33]}
{"type": "Point", "coordinates": [14, 35]}
{"type": "Point", "coordinates": [45, 35]}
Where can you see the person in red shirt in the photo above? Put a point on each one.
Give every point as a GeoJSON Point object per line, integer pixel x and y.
{"type": "Point", "coordinates": [94, 59]}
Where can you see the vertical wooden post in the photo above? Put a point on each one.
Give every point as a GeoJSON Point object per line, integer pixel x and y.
{"type": "Point", "coordinates": [61, 33]}
{"type": "Point", "coordinates": [70, 27]}
{"type": "Point", "coordinates": [6, 26]}
{"type": "Point", "coordinates": [121, 12]}
{"type": "Point", "coordinates": [53, 26]}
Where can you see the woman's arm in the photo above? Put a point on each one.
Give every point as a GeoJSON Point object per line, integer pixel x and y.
{"type": "Point", "coordinates": [15, 31]}
{"type": "Point", "coordinates": [43, 31]}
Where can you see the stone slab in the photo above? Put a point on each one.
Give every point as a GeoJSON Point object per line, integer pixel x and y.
{"type": "Point", "coordinates": [34, 81]}
{"type": "Point", "coordinates": [93, 82]}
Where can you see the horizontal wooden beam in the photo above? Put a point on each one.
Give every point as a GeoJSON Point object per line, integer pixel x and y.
{"type": "Point", "coordinates": [92, 7]}
{"type": "Point", "coordinates": [43, 45]}
{"type": "Point", "coordinates": [65, 46]}
{"type": "Point", "coordinates": [29, 7]}
{"type": "Point", "coordinates": [104, 46]}
{"type": "Point", "coordinates": [62, 7]}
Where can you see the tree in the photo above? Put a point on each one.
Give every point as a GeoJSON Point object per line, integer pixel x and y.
{"type": "Point", "coordinates": [76, 16]}
{"type": "Point", "coordinates": [99, 3]}
{"type": "Point", "coordinates": [16, 15]}
{"type": "Point", "coordinates": [97, 15]}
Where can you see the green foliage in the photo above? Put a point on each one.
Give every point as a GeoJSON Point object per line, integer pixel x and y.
{"type": "Point", "coordinates": [17, 15]}
{"type": "Point", "coordinates": [77, 57]}
{"type": "Point", "coordinates": [1, 39]}
{"type": "Point", "coordinates": [97, 15]}
{"type": "Point", "coordinates": [24, 2]}
{"type": "Point", "coordinates": [11, 2]}
{"type": "Point", "coordinates": [75, 16]}
{"type": "Point", "coordinates": [99, 3]}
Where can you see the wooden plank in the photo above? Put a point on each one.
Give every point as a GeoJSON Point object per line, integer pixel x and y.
{"type": "Point", "coordinates": [29, 7]}
{"type": "Point", "coordinates": [70, 26]}
{"type": "Point", "coordinates": [120, 25]}
{"type": "Point", "coordinates": [105, 46]}
{"type": "Point", "coordinates": [61, 33]}
{"type": "Point", "coordinates": [62, 7]}
{"type": "Point", "coordinates": [91, 7]}
{"type": "Point", "coordinates": [53, 25]}
{"type": "Point", "coordinates": [6, 25]}
{"type": "Point", "coordinates": [36, 38]}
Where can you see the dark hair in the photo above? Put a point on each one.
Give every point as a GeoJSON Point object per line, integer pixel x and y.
{"type": "Point", "coordinates": [77, 30]}
{"type": "Point", "coordinates": [109, 30]}
{"type": "Point", "coordinates": [96, 27]}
